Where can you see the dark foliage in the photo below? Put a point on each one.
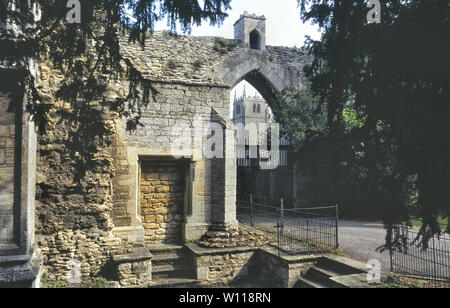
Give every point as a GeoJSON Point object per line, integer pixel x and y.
{"type": "Point", "coordinates": [395, 77]}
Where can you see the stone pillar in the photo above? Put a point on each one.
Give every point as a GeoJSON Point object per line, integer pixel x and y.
{"type": "Point", "coordinates": [224, 179]}
{"type": "Point", "coordinates": [230, 177]}
{"type": "Point", "coordinates": [19, 264]}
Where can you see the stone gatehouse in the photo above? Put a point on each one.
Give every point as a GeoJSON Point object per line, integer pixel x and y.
{"type": "Point", "coordinates": [145, 187]}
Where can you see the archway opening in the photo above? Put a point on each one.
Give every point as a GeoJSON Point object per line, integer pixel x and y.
{"type": "Point", "coordinates": [252, 101]}
{"type": "Point", "coordinates": [255, 40]}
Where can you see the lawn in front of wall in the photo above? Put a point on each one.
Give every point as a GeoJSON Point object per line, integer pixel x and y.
{"type": "Point", "coordinates": [418, 222]}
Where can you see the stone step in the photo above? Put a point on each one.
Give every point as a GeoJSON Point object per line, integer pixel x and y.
{"type": "Point", "coordinates": [172, 259]}
{"type": "Point", "coordinates": [163, 248]}
{"type": "Point", "coordinates": [322, 273]}
{"type": "Point", "coordinates": [167, 256]}
{"type": "Point", "coordinates": [322, 276]}
{"type": "Point", "coordinates": [172, 271]}
{"type": "Point", "coordinates": [309, 284]}
{"type": "Point", "coordinates": [341, 265]}
{"type": "Point", "coordinates": [173, 283]}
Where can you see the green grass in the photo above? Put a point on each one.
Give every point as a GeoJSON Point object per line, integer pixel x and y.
{"type": "Point", "coordinates": [418, 222]}
{"type": "Point", "coordinates": [191, 242]}
{"type": "Point", "coordinates": [338, 251]}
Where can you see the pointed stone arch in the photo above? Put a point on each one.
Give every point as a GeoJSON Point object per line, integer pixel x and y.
{"type": "Point", "coordinates": [269, 72]}
{"type": "Point", "coordinates": [255, 40]}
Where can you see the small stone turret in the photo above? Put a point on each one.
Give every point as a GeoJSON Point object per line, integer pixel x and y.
{"type": "Point", "coordinates": [250, 29]}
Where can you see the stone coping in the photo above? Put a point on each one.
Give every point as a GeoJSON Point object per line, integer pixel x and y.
{"type": "Point", "coordinates": [293, 258]}
{"type": "Point", "coordinates": [140, 254]}
{"type": "Point", "coordinates": [200, 251]}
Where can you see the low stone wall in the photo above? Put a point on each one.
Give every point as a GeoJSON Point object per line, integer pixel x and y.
{"type": "Point", "coordinates": [222, 266]}
{"type": "Point", "coordinates": [89, 250]}
{"type": "Point", "coordinates": [281, 271]}
{"type": "Point", "coordinates": [249, 266]}
{"type": "Point", "coordinates": [134, 269]}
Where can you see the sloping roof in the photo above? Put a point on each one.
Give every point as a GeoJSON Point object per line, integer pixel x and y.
{"type": "Point", "coordinates": [175, 58]}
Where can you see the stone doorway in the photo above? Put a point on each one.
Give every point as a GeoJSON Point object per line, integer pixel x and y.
{"type": "Point", "coordinates": [162, 197]}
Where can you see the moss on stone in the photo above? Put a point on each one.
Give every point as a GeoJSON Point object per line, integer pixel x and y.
{"type": "Point", "coordinates": [223, 45]}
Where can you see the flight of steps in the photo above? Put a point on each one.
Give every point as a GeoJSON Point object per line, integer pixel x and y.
{"type": "Point", "coordinates": [318, 276]}
{"type": "Point", "coordinates": [172, 267]}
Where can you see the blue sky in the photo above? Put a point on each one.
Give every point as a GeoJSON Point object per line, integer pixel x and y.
{"type": "Point", "coordinates": [283, 27]}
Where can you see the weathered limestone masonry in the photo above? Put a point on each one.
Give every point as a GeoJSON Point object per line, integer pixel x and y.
{"type": "Point", "coordinates": [281, 271]}
{"type": "Point", "coordinates": [86, 213]}
{"type": "Point", "coordinates": [74, 211]}
{"type": "Point", "coordinates": [161, 200]}
{"type": "Point", "coordinates": [249, 266]}
{"type": "Point", "coordinates": [188, 101]}
{"type": "Point", "coordinates": [133, 269]}
{"type": "Point", "coordinates": [224, 266]}
{"type": "Point", "coordinates": [193, 76]}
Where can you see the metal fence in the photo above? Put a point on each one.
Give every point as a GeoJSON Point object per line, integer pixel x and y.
{"type": "Point", "coordinates": [412, 260]}
{"type": "Point", "coordinates": [295, 231]}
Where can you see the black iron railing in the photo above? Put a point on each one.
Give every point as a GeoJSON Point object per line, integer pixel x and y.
{"type": "Point", "coordinates": [413, 260]}
{"type": "Point", "coordinates": [295, 231]}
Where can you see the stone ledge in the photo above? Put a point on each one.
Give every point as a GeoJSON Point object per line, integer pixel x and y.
{"type": "Point", "coordinates": [199, 251]}
{"type": "Point", "coordinates": [291, 259]}
{"type": "Point", "coordinates": [139, 255]}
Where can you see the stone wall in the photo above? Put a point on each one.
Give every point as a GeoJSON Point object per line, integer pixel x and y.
{"type": "Point", "coordinates": [223, 266]}
{"type": "Point", "coordinates": [87, 206]}
{"type": "Point", "coordinates": [74, 192]}
{"type": "Point", "coordinates": [133, 269]}
{"type": "Point", "coordinates": [249, 267]}
{"type": "Point", "coordinates": [175, 127]}
{"type": "Point", "coordinates": [7, 132]}
{"type": "Point", "coordinates": [272, 270]}
{"type": "Point", "coordinates": [161, 200]}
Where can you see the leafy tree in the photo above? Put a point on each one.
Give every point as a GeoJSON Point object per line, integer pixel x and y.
{"type": "Point", "coordinates": [395, 75]}
{"type": "Point", "coordinates": [302, 116]}
{"type": "Point", "coordinates": [88, 55]}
